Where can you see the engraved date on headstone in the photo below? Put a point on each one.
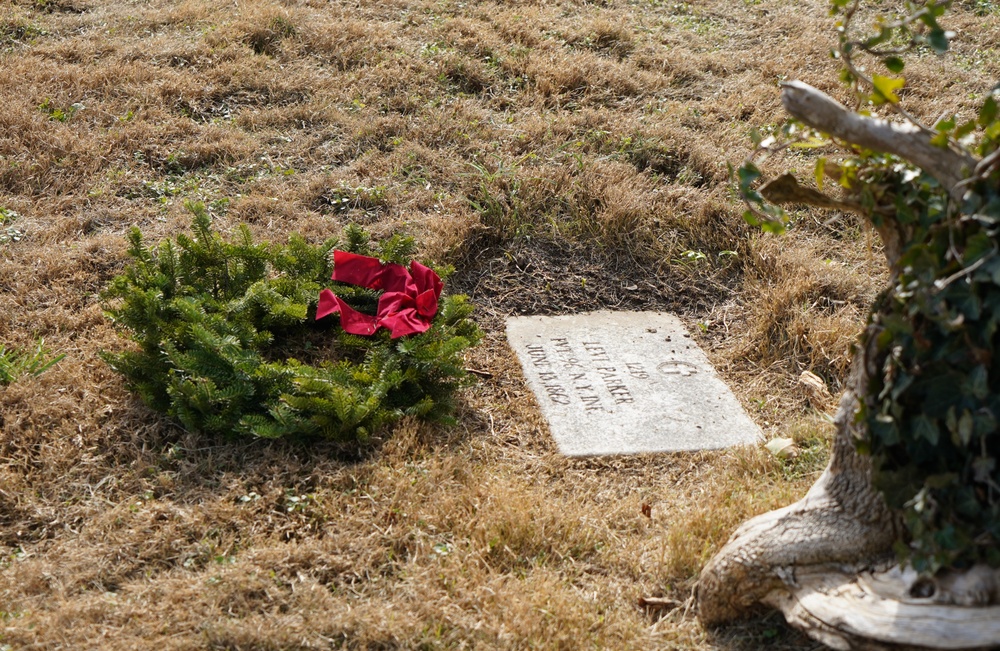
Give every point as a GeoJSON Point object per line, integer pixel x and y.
{"type": "Point", "coordinates": [584, 374]}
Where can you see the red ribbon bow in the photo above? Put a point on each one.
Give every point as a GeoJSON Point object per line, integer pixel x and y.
{"type": "Point", "coordinates": [407, 305]}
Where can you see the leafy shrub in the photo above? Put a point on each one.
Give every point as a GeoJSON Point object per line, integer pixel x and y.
{"type": "Point", "coordinates": [217, 323]}
{"type": "Point", "coordinates": [931, 415]}
{"type": "Point", "coordinates": [933, 411]}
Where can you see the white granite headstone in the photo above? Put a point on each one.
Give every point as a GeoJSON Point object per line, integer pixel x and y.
{"type": "Point", "coordinates": [626, 382]}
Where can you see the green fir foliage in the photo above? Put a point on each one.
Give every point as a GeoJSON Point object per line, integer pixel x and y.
{"type": "Point", "coordinates": [227, 341]}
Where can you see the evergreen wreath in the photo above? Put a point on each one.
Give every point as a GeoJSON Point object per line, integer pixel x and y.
{"type": "Point", "coordinates": [217, 324]}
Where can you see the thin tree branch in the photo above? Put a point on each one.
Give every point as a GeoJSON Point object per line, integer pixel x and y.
{"type": "Point", "coordinates": [909, 142]}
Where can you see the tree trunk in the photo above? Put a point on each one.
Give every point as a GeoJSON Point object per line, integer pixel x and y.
{"type": "Point", "coordinates": [826, 561]}
{"type": "Point", "coordinates": [841, 520]}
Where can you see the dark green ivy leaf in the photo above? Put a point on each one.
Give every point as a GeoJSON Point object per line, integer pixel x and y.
{"type": "Point", "coordinates": [885, 431]}
{"type": "Point", "coordinates": [894, 64]}
{"type": "Point", "coordinates": [983, 468]}
{"type": "Point", "coordinates": [976, 247]}
{"type": "Point", "coordinates": [925, 428]}
{"type": "Point", "coordinates": [964, 429]}
{"type": "Point", "coordinates": [938, 40]}
{"type": "Point", "coordinates": [979, 382]}
{"type": "Point", "coordinates": [988, 112]}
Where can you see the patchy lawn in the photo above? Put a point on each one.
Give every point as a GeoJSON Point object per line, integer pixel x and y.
{"type": "Point", "coordinates": [564, 156]}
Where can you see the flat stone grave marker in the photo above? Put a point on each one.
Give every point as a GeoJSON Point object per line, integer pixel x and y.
{"type": "Point", "coordinates": [626, 382]}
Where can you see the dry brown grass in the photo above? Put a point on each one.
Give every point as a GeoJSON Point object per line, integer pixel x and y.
{"type": "Point", "coordinates": [556, 153]}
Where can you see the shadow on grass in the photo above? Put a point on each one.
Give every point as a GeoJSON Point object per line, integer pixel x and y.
{"type": "Point", "coordinates": [767, 631]}
{"type": "Point", "coordinates": [148, 447]}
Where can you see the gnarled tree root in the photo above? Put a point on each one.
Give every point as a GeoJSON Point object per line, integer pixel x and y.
{"type": "Point", "coordinates": [765, 553]}
{"type": "Point", "coordinates": [840, 520]}
{"type": "Point", "coordinates": [874, 610]}
{"type": "Point", "coordinates": [826, 563]}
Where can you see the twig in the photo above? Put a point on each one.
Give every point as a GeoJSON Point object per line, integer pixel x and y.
{"type": "Point", "coordinates": [659, 603]}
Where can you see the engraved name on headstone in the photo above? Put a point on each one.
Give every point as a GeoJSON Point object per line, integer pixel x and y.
{"type": "Point", "coordinates": [626, 382]}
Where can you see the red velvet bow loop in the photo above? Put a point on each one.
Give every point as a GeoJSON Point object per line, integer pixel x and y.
{"type": "Point", "coordinates": [407, 305]}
